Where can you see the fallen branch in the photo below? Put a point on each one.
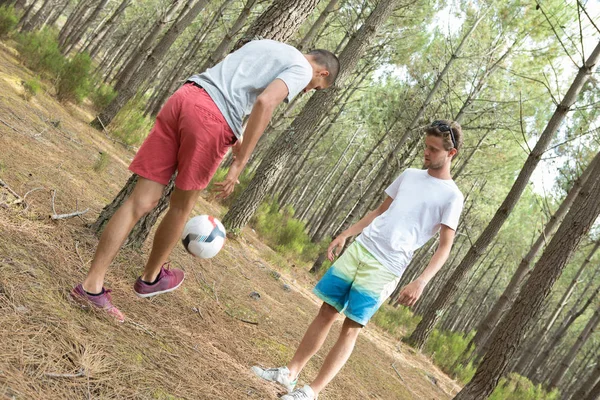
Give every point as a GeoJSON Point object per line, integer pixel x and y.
{"type": "Point", "coordinates": [403, 381]}
{"type": "Point", "coordinates": [55, 216]}
{"type": "Point", "coordinates": [70, 215]}
{"type": "Point", "coordinates": [9, 125]}
{"type": "Point", "coordinates": [241, 319]}
{"type": "Point", "coordinates": [4, 185]}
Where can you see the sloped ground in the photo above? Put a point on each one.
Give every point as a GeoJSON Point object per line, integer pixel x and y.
{"type": "Point", "coordinates": [195, 343]}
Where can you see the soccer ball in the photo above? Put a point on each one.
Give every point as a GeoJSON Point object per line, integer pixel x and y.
{"type": "Point", "coordinates": [203, 236]}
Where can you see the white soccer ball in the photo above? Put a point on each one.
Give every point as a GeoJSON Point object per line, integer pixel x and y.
{"type": "Point", "coordinates": [203, 236]}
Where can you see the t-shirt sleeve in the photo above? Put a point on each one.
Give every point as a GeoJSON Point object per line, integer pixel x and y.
{"type": "Point", "coordinates": [451, 213]}
{"type": "Point", "coordinates": [296, 78]}
{"type": "Point", "coordinates": [392, 190]}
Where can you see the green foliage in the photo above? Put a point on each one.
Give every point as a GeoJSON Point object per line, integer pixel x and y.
{"type": "Point", "coordinates": [102, 95]}
{"type": "Point", "coordinates": [445, 347]}
{"type": "Point", "coordinates": [396, 321]}
{"type": "Point", "coordinates": [131, 125]}
{"type": "Point", "coordinates": [39, 52]}
{"type": "Point", "coordinates": [285, 233]}
{"type": "Point", "coordinates": [8, 20]}
{"type": "Point", "coordinates": [32, 87]}
{"type": "Point", "coordinates": [517, 387]}
{"type": "Point", "coordinates": [74, 82]}
{"type": "Point", "coordinates": [101, 162]}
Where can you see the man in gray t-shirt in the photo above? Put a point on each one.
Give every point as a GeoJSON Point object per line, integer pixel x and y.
{"type": "Point", "coordinates": [192, 134]}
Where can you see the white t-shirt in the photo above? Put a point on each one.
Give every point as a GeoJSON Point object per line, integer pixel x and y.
{"type": "Point", "coordinates": [421, 203]}
{"type": "Point", "coordinates": [236, 82]}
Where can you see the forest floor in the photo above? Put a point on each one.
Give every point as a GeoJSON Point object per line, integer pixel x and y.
{"type": "Point", "coordinates": [195, 343]}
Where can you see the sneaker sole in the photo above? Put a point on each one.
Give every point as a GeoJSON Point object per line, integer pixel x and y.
{"type": "Point", "coordinates": [273, 381]}
{"type": "Point", "coordinates": [146, 295]}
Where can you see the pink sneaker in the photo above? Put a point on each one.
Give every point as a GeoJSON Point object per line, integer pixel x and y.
{"type": "Point", "coordinates": [102, 301]}
{"type": "Point", "coordinates": [168, 280]}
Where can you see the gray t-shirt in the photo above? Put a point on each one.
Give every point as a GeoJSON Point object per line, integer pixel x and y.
{"type": "Point", "coordinates": [236, 82]}
{"type": "Point", "coordinates": [421, 204]}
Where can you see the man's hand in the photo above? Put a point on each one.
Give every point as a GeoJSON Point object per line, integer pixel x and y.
{"type": "Point", "coordinates": [337, 244]}
{"type": "Point", "coordinates": [225, 188]}
{"type": "Point", "coordinates": [410, 293]}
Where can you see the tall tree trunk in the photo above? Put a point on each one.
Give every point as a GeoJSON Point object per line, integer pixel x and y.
{"type": "Point", "coordinates": [104, 32]}
{"type": "Point", "coordinates": [141, 52]}
{"type": "Point", "coordinates": [566, 362]}
{"type": "Point", "coordinates": [173, 79]}
{"type": "Point", "coordinates": [491, 319]}
{"type": "Point", "coordinates": [425, 327]}
{"type": "Point", "coordinates": [289, 143]}
{"type": "Point", "coordinates": [223, 47]}
{"type": "Point", "coordinates": [507, 337]}
{"type": "Point", "coordinates": [279, 22]}
{"type": "Point", "coordinates": [308, 39]}
{"type": "Point", "coordinates": [544, 345]}
{"type": "Point", "coordinates": [147, 68]}
{"type": "Point", "coordinates": [39, 17]}
{"type": "Point", "coordinates": [587, 386]}
{"type": "Point", "coordinates": [74, 39]}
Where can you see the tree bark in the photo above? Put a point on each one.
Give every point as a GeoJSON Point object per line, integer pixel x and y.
{"type": "Point", "coordinates": [289, 143]}
{"type": "Point", "coordinates": [491, 319]}
{"type": "Point", "coordinates": [507, 337]}
{"type": "Point", "coordinates": [74, 39]}
{"type": "Point", "coordinates": [308, 39]}
{"type": "Point", "coordinates": [566, 362]}
{"type": "Point", "coordinates": [279, 22]}
{"type": "Point", "coordinates": [425, 327]}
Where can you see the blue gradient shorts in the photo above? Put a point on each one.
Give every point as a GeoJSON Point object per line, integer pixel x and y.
{"type": "Point", "coordinates": [356, 284]}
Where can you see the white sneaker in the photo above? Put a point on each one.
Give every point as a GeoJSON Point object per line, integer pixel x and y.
{"type": "Point", "coordinates": [306, 393]}
{"type": "Point", "coordinates": [280, 375]}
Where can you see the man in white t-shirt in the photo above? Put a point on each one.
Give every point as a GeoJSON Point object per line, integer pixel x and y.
{"type": "Point", "coordinates": [419, 204]}
{"type": "Point", "coordinates": [193, 132]}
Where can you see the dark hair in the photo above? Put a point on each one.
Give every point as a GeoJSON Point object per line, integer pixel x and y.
{"type": "Point", "coordinates": [449, 131]}
{"type": "Point", "coordinates": [327, 59]}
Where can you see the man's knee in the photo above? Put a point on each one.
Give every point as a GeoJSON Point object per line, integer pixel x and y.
{"type": "Point", "coordinates": [351, 327]}
{"type": "Point", "coordinates": [142, 205]}
{"type": "Point", "coordinates": [328, 312]}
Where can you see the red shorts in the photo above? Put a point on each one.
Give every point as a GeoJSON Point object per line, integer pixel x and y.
{"type": "Point", "coordinates": [190, 135]}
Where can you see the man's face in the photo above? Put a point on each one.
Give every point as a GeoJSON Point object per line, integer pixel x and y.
{"type": "Point", "coordinates": [318, 81]}
{"type": "Point", "coordinates": [434, 154]}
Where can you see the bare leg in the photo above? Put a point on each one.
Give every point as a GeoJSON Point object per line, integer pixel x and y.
{"type": "Point", "coordinates": [144, 198]}
{"type": "Point", "coordinates": [313, 339]}
{"type": "Point", "coordinates": [169, 231]}
{"type": "Point", "coordinates": [338, 355]}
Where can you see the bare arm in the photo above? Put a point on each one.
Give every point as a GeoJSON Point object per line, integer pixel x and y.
{"type": "Point", "coordinates": [261, 114]}
{"type": "Point", "coordinates": [411, 292]}
{"type": "Point", "coordinates": [338, 242]}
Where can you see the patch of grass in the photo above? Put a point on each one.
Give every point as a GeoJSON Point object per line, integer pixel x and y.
{"type": "Point", "coordinates": [517, 387]}
{"type": "Point", "coordinates": [32, 87]}
{"type": "Point", "coordinates": [396, 321]}
{"type": "Point", "coordinates": [130, 125]}
{"type": "Point", "coordinates": [102, 96]}
{"type": "Point", "coordinates": [102, 162]}
{"type": "Point", "coordinates": [445, 347]}
{"type": "Point", "coordinates": [283, 232]}
{"type": "Point", "coordinates": [74, 82]}
{"type": "Point", "coordinates": [8, 20]}
{"type": "Point", "coordinates": [39, 51]}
